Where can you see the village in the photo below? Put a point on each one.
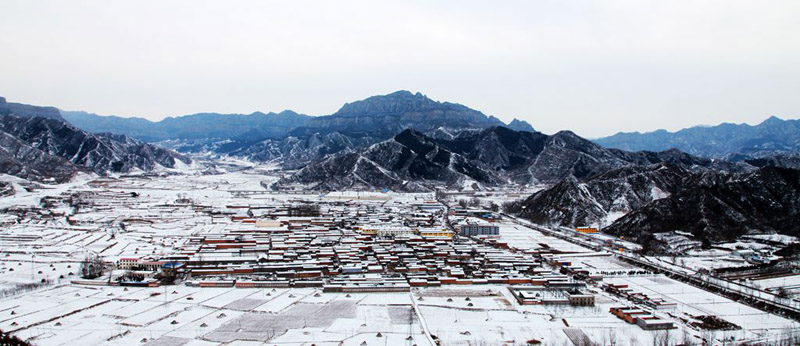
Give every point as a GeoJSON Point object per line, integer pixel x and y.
{"type": "Point", "coordinates": [210, 259]}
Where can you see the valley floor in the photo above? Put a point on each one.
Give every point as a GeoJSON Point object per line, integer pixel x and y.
{"type": "Point", "coordinates": [41, 299]}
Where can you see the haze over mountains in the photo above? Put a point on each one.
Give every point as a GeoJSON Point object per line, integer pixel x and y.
{"type": "Point", "coordinates": [737, 141]}
{"type": "Point", "coordinates": [377, 116]}
{"type": "Point", "coordinates": [191, 127]}
{"type": "Point", "coordinates": [293, 139]}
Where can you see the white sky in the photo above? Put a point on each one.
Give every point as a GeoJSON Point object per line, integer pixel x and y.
{"type": "Point", "coordinates": [594, 67]}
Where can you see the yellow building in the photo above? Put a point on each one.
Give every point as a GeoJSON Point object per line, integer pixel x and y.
{"type": "Point", "coordinates": [435, 233]}
{"type": "Point", "coordinates": [385, 230]}
{"type": "Point", "coordinates": [586, 230]}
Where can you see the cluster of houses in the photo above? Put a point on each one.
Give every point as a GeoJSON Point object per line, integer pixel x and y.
{"type": "Point", "coordinates": [760, 256]}
{"type": "Point", "coordinates": [344, 246]}
{"type": "Point", "coordinates": [343, 243]}
{"type": "Point", "coordinates": [622, 290]}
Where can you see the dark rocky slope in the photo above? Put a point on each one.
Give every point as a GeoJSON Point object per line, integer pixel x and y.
{"type": "Point", "coordinates": [37, 144]}
{"type": "Point", "coordinates": [408, 162]}
{"type": "Point", "coordinates": [591, 202]}
{"type": "Point", "coordinates": [19, 159]}
{"type": "Point", "coordinates": [719, 206]}
{"type": "Point", "coordinates": [491, 157]}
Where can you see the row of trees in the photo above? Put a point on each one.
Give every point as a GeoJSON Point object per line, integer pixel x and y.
{"type": "Point", "coordinates": [474, 202]}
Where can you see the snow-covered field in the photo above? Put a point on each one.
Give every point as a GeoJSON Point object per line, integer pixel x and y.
{"type": "Point", "coordinates": [756, 325]}
{"type": "Point", "coordinates": [143, 215]}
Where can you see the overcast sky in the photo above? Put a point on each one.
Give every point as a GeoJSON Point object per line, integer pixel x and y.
{"type": "Point", "coordinates": [594, 67]}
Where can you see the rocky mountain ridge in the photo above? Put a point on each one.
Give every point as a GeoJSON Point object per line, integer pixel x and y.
{"type": "Point", "coordinates": [38, 145]}
{"type": "Point", "coordinates": [639, 201]}
{"type": "Point", "coordinates": [720, 207]}
{"type": "Point", "coordinates": [492, 157]}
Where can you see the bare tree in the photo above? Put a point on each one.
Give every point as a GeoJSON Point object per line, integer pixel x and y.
{"type": "Point", "coordinates": [91, 267]}
{"type": "Point", "coordinates": [687, 339]}
{"type": "Point", "coordinates": [708, 336]}
{"type": "Point", "coordinates": [662, 338]}
{"type": "Point", "coordinates": [611, 335]}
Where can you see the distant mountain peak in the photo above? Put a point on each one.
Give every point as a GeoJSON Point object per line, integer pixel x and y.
{"type": "Point", "coordinates": [566, 134]}
{"type": "Point", "coordinates": [405, 93]}
{"type": "Point", "coordinates": [396, 103]}
{"type": "Point", "coordinates": [288, 112]}
{"type": "Point", "coordinates": [772, 120]}
{"type": "Point", "coordinates": [520, 125]}
{"type": "Point", "coordinates": [28, 111]}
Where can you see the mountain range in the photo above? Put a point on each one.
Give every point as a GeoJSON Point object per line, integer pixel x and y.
{"type": "Point", "coordinates": [716, 206]}
{"type": "Point", "coordinates": [637, 202]}
{"type": "Point", "coordinates": [732, 141]}
{"type": "Point", "coordinates": [716, 182]}
{"type": "Point", "coordinates": [294, 140]}
{"type": "Point", "coordinates": [36, 143]}
{"type": "Point", "coordinates": [600, 199]}
{"type": "Point", "coordinates": [242, 127]}
{"type": "Point", "coordinates": [377, 117]}
{"type": "Point", "coordinates": [496, 156]}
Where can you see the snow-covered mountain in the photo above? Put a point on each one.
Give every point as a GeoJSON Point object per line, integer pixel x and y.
{"type": "Point", "coordinates": [599, 200]}
{"type": "Point", "coordinates": [37, 144]}
{"type": "Point", "coordinates": [719, 206]}
{"type": "Point", "coordinates": [20, 159]}
{"type": "Point", "coordinates": [281, 136]}
{"type": "Point", "coordinates": [638, 201]}
{"type": "Point", "coordinates": [491, 157]}
{"type": "Point", "coordinates": [410, 162]}
{"type": "Point", "coordinates": [384, 116]}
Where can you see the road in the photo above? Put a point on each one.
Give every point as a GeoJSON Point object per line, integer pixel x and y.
{"type": "Point", "coordinates": [754, 297]}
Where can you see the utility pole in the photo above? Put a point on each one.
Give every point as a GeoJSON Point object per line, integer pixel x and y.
{"type": "Point", "coordinates": [32, 277]}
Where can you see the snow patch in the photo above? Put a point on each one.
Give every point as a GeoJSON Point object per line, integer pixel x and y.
{"type": "Point", "coordinates": [656, 193]}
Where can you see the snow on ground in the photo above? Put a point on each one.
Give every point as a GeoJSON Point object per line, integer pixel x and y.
{"type": "Point", "coordinates": [790, 283]}
{"type": "Point", "coordinates": [58, 313]}
{"type": "Point", "coordinates": [119, 316]}
{"type": "Point", "coordinates": [613, 216]}
{"type": "Point", "coordinates": [692, 301]}
{"type": "Point", "coordinates": [525, 238]}
{"type": "Point", "coordinates": [786, 239]}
